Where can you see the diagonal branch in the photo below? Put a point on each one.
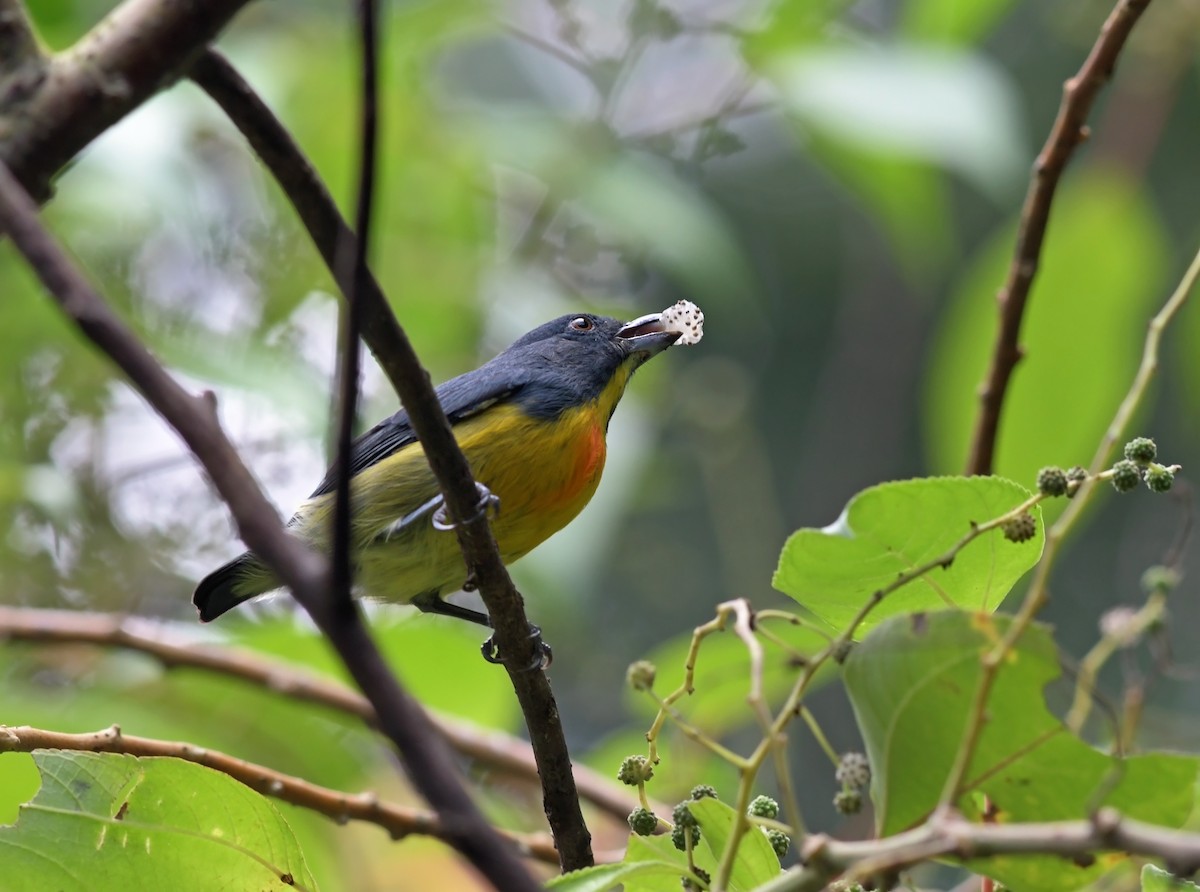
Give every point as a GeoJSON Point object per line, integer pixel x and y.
{"type": "Point", "coordinates": [428, 761]}
{"type": "Point", "coordinates": [398, 820]}
{"type": "Point", "coordinates": [499, 752]}
{"type": "Point", "coordinates": [1079, 93]}
{"type": "Point", "coordinates": [139, 48]}
{"type": "Point", "coordinates": [274, 145]}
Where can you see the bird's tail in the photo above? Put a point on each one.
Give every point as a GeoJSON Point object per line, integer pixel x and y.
{"type": "Point", "coordinates": [229, 585]}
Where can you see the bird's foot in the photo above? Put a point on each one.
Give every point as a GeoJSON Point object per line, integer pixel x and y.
{"type": "Point", "coordinates": [542, 660]}
{"type": "Point", "coordinates": [488, 502]}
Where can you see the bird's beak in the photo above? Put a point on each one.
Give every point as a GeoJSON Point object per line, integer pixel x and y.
{"type": "Point", "coordinates": [646, 336]}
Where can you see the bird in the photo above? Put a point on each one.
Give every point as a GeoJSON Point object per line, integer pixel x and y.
{"type": "Point", "coordinates": [531, 423]}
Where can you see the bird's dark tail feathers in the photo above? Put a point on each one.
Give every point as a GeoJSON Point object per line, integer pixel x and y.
{"type": "Point", "coordinates": [226, 587]}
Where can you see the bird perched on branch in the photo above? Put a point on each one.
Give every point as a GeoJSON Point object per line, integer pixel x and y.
{"type": "Point", "coordinates": [531, 423]}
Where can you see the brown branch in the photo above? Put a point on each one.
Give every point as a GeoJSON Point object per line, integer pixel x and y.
{"type": "Point", "coordinates": [429, 763]}
{"type": "Point", "coordinates": [22, 64]}
{"type": "Point", "coordinates": [274, 145]}
{"type": "Point", "coordinates": [1068, 132]}
{"type": "Point", "coordinates": [354, 254]}
{"type": "Point", "coordinates": [500, 752]}
{"type": "Point", "coordinates": [825, 858]}
{"type": "Point", "coordinates": [398, 820]}
{"type": "Point", "coordinates": [139, 48]}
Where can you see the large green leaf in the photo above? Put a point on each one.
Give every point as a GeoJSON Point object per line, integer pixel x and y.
{"type": "Point", "coordinates": [895, 527]}
{"type": "Point", "coordinates": [756, 862]}
{"type": "Point", "coordinates": [105, 821]}
{"type": "Point", "coordinates": [1099, 279]}
{"type": "Point", "coordinates": [911, 683]}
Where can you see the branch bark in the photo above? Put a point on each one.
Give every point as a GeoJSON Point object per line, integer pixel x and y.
{"type": "Point", "coordinates": [429, 764]}
{"type": "Point", "coordinates": [139, 48]}
{"type": "Point", "coordinates": [1069, 130]}
{"type": "Point", "coordinates": [398, 820]}
{"type": "Point", "coordinates": [1108, 831]}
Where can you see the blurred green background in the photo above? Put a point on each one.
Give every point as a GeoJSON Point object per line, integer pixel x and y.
{"type": "Point", "coordinates": [837, 185]}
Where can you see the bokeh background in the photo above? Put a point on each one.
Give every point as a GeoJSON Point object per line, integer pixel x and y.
{"type": "Point", "coordinates": [837, 184]}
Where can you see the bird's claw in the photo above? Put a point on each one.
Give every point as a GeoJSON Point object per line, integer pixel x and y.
{"type": "Point", "coordinates": [488, 502]}
{"type": "Point", "coordinates": [542, 660]}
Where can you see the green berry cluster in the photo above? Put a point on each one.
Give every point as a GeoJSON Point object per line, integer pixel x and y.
{"type": "Point", "coordinates": [1075, 479]}
{"type": "Point", "coordinates": [848, 802]}
{"type": "Point", "coordinates": [763, 807]}
{"type": "Point", "coordinates": [642, 821]}
{"type": "Point", "coordinates": [1125, 475]}
{"type": "Point", "coordinates": [635, 770]}
{"type": "Point", "coordinates": [1020, 529]}
{"type": "Point", "coordinates": [640, 675]}
{"type": "Point", "coordinates": [702, 791]}
{"type": "Point", "coordinates": [1141, 450]}
{"type": "Point", "coordinates": [689, 883]}
{"type": "Point", "coordinates": [779, 842]}
{"type": "Point", "coordinates": [1139, 464]}
{"type": "Point", "coordinates": [686, 830]}
{"type": "Point", "coordinates": [1052, 481]}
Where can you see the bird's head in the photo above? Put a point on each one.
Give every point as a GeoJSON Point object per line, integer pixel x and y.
{"type": "Point", "coordinates": [582, 358]}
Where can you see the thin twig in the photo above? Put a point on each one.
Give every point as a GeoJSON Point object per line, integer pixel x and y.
{"type": "Point", "coordinates": [398, 820]}
{"type": "Point", "coordinates": [354, 253]}
{"type": "Point", "coordinates": [1068, 132]}
{"type": "Point", "coordinates": [430, 765]}
{"type": "Point", "coordinates": [499, 752]}
{"type": "Point", "coordinates": [317, 211]}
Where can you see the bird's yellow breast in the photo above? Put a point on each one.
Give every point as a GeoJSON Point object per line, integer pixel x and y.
{"type": "Point", "coordinates": [543, 472]}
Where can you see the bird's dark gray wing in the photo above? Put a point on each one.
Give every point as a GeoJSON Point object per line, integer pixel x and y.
{"type": "Point", "coordinates": [460, 397]}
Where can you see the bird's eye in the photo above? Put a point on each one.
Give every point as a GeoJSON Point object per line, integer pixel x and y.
{"type": "Point", "coordinates": [582, 323]}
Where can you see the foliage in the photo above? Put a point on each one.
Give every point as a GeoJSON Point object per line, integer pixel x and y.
{"type": "Point", "coordinates": [837, 186]}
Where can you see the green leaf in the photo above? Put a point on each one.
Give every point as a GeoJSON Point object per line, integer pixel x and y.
{"type": "Point", "coordinates": [944, 106]}
{"type": "Point", "coordinates": [1098, 283]}
{"type": "Point", "coordinates": [633, 874]}
{"type": "Point", "coordinates": [895, 527]}
{"type": "Point", "coordinates": [663, 864]}
{"type": "Point", "coordinates": [911, 683]}
{"type": "Point", "coordinates": [1155, 879]}
{"type": "Point", "coordinates": [756, 862]}
{"type": "Point", "coordinates": [107, 821]}
{"type": "Point", "coordinates": [951, 21]}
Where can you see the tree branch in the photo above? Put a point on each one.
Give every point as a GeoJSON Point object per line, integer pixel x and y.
{"type": "Point", "coordinates": [1068, 132]}
{"type": "Point", "coordinates": [398, 820]}
{"type": "Point", "coordinates": [274, 145]}
{"type": "Point", "coordinates": [825, 858]}
{"type": "Point", "coordinates": [20, 55]}
{"type": "Point", "coordinates": [500, 752]}
{"type": "Point", "coordinates": [139, 48]}
{"type": "Point", "coordinates": [429, 764]}
{"type": "Point", "coordinates": [354, 254]}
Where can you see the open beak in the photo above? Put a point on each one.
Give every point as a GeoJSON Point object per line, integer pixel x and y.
{"type": "Point", "coordinates": [646, 337]}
